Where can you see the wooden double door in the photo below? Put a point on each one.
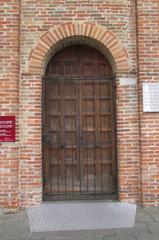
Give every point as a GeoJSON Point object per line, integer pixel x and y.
{"type": "Point", "coordinates": [79, 152]}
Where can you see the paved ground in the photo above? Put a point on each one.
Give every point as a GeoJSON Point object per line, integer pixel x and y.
{"type": "Point", "coordinates": [15, 227]}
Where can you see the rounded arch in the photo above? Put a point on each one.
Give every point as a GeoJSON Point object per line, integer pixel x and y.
{"type": "Point", "coordinates": [67, 34]}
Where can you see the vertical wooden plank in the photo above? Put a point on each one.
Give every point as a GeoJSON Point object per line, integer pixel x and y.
{"type": "Point", "coordinates": [62, 132]}
{"type": "Point", "coordinates": [94, 132]}
{"type": "Point", "coordinates": [98, 138]}
{"type": "Point", "coordinates": [113, 131]}
{"type": "Point", "coordinates": [80, 134]}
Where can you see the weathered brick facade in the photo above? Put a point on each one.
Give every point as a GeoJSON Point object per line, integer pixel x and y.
{"type": "Point", "coordinates": [9, 92]}
{"type": "Point", "coordinates": [126, 32]}
{"type": "Point", "coordinates": [148, 70]}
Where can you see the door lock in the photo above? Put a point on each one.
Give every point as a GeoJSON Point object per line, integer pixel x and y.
{"type": "Point", "coordinates": [62, 146]}
{"type": "Point", "coordinates": [47, 138]}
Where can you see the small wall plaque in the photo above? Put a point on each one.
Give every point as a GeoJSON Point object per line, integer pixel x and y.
{"type": "Point", "coordinates": [7, 128]}
{"type": "Point", "coordinates": [150, 97]}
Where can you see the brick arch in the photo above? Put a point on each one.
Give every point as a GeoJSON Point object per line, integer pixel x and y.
{"type": "Point", "coordinates": [50, 39]}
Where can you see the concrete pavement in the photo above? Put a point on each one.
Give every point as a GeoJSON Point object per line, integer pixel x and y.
{"type": "Point", "coordinates": [15, 227]}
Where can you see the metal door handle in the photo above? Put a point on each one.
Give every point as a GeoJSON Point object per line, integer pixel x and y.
{"type": "Point", "coordinates": [62, 146]}
{"type": "Point", "coordinates": [81, 136]}
{"type": "Point", "coordinates": [47, 138]}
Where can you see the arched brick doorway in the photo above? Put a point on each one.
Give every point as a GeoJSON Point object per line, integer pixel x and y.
{"type": "Point", "coordinates": [79, 151]}
{"type": "Point", "coordinates": [106, 42]}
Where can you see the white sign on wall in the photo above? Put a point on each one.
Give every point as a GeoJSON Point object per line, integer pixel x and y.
{"type": "Point", "coordinates": [150, 97]}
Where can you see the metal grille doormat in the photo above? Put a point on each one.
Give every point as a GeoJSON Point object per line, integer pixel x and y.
{"type": "Point", "coordinates": [81, 216]}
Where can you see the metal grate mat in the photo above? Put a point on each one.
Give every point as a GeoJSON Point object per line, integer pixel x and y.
{"type": "Point", "coordinates": [64, 216]}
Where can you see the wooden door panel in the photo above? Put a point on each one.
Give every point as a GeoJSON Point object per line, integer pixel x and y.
{"type": "Point", "coordinates": [88, 68]}
{"type": "Point", "coordinates": [79, 61]}
{"type": "Point", "coordinates": [70, 67]}
{"type": "Point", "coordinates": [55, 68]}
{"type": "Point", "coordinates": [81, 138]}
{"type": "Point", "coordinates": [54, 107]}
{"type": "Point", "coordinates": [78, 126]}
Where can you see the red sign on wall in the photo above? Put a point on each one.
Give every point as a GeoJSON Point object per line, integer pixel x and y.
{"type": "Point", "coordinates": [7, 128]}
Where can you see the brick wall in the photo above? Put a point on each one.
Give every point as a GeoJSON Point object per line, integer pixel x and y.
{"type": "Point", "coordinates": [9, 88]}
{"type": "Point", "coordinates": [21, 178]}
{"type": "Point", "coordinates": [116, 16]}
{"type": "Point", "coordinates": [148, 48]}
{"type": "Point", "coordinates": [128, 143]}
{"type": "Point", "coordinates": [30, 164]}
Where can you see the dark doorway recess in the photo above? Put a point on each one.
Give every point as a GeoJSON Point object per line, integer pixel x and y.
{"type": "Point", "coordinates": [79, 134]}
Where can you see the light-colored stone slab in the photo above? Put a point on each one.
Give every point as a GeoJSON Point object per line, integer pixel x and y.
{"type": "Point", "coordinates": [126, 237]}
{"type": "Point", "coordinates": [155, 216]}
{"type": "Point", "coordinates": [127, 81]}
{"type": "Point", "coordinates": [154, 228]}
